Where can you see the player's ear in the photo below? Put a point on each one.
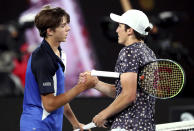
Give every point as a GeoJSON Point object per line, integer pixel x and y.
{"type": "Point", "coordinates": [129, 31]}
{"type": "Point", "coordinates": [49, 31]}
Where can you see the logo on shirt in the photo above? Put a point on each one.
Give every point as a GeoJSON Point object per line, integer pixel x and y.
{"type": "Point", "coordinates": [47, 84]}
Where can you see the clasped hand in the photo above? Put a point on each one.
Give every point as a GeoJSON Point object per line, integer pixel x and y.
{"type": "Point", "coordinates": [88, 80]}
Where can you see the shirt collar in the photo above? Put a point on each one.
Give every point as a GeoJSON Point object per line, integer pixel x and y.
{"type": "Point", "coordinates": [49, 50]}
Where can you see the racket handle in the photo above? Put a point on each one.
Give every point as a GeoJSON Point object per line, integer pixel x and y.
{"type": "Point", "coordinates": [87, 127]}
{"type": "Point", "coordinates": [105, 74]}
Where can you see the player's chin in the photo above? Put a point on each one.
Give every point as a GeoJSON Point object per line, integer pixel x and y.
{"type": "Point", "coordinates": [64, 40]}
{"type": "Point", "coordinates": [119, 42]}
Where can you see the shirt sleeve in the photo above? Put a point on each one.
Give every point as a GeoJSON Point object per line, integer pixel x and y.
{"type": "Point", "coordinates": [130, 61]}
{"type": "Point", "coordinates": [44, 72]}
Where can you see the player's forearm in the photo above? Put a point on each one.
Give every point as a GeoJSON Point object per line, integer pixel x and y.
{"type": "Point", "coordinates": [52, 102]}
{"type": "Point", "coordinates": [119, 104]}
{"type": "Point", "coordinates": [107, 89]}
{"type": "Point", "coordinates": [70, 115]}
{"type": "Point", "coordinates": [127, 95]}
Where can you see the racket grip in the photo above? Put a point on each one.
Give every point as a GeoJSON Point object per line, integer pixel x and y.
{"type": "Point", "coordinates": [87, 127]}
{"type": "Point", "coordinates": [105, 74]}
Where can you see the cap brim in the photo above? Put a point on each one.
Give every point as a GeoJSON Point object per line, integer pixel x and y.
{"type": "Point", "coordinates": [115, 17]}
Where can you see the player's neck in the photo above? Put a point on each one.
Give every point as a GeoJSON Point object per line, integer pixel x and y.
{"type": "Point", "coordinates": [130, 41]}
{"type": "Point", "coordinates": [53, 44]}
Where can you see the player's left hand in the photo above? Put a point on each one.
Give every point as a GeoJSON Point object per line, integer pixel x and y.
{"type": "Point", "coordinates": [100, 120]}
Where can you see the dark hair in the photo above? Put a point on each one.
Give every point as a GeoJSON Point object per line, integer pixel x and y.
{"type": "Point", "coordinates": [138, 35]}
{"type": "Point", "coordinates": [49, 18]}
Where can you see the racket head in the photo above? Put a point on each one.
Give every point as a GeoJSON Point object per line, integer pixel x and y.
{"type": "Point", "coordinates": [162, 78]}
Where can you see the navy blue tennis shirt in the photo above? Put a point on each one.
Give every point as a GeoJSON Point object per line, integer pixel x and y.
{"type": "Point", "coordinates": [44, 75]}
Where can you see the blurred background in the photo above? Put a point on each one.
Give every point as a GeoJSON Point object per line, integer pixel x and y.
{"type": "Point", "coordinates": [92, 44]}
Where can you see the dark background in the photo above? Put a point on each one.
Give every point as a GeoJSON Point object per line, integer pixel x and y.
{"type": "Point", "coordinates": [94, 12]}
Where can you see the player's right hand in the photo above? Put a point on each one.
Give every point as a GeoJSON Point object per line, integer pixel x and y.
{"type": "Point", "coordinates": [88, 80]}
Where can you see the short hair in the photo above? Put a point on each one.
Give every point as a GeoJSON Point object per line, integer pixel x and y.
{"type": "Point", "coordinates": [137, 35]}
{"type": "Point", "coordinates": [49, 18]}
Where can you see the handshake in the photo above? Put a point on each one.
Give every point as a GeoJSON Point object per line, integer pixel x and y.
{"type": "Point", "coordinates": [87, 81]}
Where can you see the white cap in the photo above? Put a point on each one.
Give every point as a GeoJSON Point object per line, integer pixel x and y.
{"type": "Point", "coordinates": [136, 19]}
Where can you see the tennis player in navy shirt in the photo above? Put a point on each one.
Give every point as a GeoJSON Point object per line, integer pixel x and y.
{"type": "Point", "coordinates": [45, 98]}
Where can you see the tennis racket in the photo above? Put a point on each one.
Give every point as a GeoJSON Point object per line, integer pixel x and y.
{"type": "Point", "coordinates": [161, 78]}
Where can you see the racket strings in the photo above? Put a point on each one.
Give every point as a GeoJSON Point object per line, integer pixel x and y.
{"type": "Point", "coordinates": [162, 79]}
